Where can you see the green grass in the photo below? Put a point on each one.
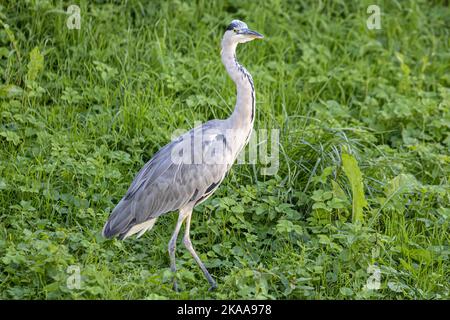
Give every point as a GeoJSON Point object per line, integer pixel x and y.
{"type": "Point", "coordinates": [77, 126]}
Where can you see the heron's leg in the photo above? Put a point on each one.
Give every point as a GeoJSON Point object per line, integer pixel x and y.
{"type": "Point", "coordinates": [187, 242]}
{"type": "Point", "coordinates": [172, 247]}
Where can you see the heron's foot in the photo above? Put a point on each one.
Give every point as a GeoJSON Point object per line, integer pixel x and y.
{"type": "Point", "coordinates": [175, 286]}
{"type": "Point", "coordinates": [213, 286]}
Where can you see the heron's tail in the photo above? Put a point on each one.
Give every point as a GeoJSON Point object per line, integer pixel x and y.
{"type": "Point", "coordinates": [122, 222]}
{"type": "Point", "coordinates": [119, 220]}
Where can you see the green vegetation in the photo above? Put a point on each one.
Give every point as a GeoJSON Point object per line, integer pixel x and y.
{"type": "Point", "coordinates": [364, 119]}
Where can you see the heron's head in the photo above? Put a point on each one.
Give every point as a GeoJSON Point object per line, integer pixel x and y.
{"type": "Point", "coordinates": [238, 32]}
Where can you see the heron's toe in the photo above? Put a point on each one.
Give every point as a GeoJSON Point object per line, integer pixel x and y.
{"type": "Point", "coordinates": [213, 287]}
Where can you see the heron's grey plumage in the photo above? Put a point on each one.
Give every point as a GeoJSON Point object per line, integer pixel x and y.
{"type": "Point", "coordinates": [190, 168]}
{"type": "Point", "coordinates": [163, 185]}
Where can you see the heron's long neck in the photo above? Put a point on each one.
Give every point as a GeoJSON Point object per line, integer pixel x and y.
{"type": "Point", "coordinates": [244, 111]}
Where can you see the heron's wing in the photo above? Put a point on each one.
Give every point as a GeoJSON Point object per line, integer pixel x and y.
{"type": "Point", "coordinates": [187, 170]}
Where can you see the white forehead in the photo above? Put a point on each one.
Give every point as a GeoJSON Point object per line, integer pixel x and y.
{"type": "Point", "coordinates": [237, 24]}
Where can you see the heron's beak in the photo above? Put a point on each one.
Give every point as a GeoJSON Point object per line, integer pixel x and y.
{"type": "Point", "coordinates": [252, 34]}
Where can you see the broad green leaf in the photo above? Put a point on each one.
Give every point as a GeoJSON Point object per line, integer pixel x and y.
{"type": "Point", "coordinates": [337, 191]}
{"type": "Point", "coordinates": [237, 209]}
{"type": "Point", "coordinates": [284, 226]}
{"type": "Point", "coordinates": [320, 205]}
{"type": "Point", "coordinates": [354, 176]}
{"type": "Point", "coordinates": [11, 137]}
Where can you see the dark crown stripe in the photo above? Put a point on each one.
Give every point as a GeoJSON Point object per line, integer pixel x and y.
{"type": "Point", "coordinates": [236, 24]}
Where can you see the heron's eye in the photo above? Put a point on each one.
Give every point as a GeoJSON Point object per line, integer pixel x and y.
{"type": "Point", "coordinates": [235, 30]}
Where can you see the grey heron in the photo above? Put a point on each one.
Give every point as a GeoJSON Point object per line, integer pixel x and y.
{"type": "Point", "coordinates": [176, 179]}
